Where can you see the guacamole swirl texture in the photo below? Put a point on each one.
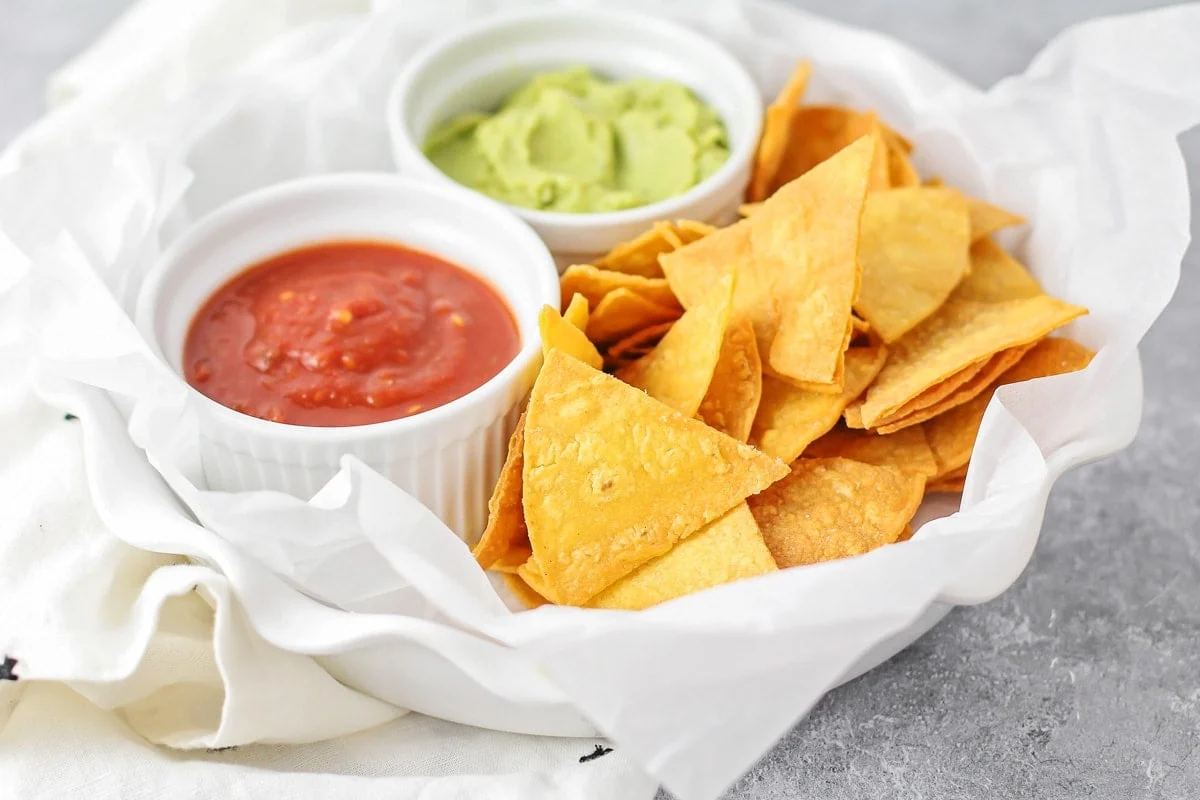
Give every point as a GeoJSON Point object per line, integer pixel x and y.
{"type": "Point", "coordinates": [571, 141]}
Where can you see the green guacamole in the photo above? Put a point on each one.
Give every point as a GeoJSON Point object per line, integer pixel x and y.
{"type": "Point", "coordinates": [570, 141]}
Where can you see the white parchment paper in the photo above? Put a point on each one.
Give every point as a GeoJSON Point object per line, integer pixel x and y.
{"type": "Point", "coordinates": [1083, 144]}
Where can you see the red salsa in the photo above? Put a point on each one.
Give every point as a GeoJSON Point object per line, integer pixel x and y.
{"type": "Point", "coordinates": [348, 333]}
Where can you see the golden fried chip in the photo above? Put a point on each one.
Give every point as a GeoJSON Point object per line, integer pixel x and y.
{"type": "Point", "coordinates": [622, 313]}
{"type": "Point", "coordinates": [895, 140]}
{"type": "Point", "coordinates": [645, 338]}
{"type": "Point", "coordinates": [505, 531]}
{"type": "Point", "coordinates": [818, 133]}
{"type": "Point", "coordinates": [959, 334]}
{"type": "Point", "coordinates": [904, 450]}
{"type": "Point", "coordinates": [952, 435]}
{"type": "Point", "coordinates": [986, 218]}
{"type": "Point", "coordinates": [595, 284]}
{"type": "Point", "coordinates": [913, 251]}
{"type": "Point", "coordinates": [614, 478]}
{"type": "Point", "coordinates": [736, 388]}
{"type": "Point", "coordinates": [907, 533]}
{"type": "Point", "coordinates": [679, 370]}
{"type": "Point", "coordinates": [938, 392]}
{"type": "Point", "coordinates": [789, 419]}
{"type": "Point", "coordinates": [746, 209]}
{"type": "Point", "coordinates": [777, 127]}
{"type": "Point", "coordinates": [951, 483]}
{"type": "Point", "coordinates": [853, 417]}
{"type": "Point", "coordinates": [996, 366]}
{"type": "Point", "coordinates": [558, 334]}
{"type": "Point", "coordinates": [901, 171]}
{"type": "Point", "coordinates": [995, 276]}
{"type": "Point", "coordinates": [729, 549]}
{"type": "Point", "coordinates": [577, 312]}
{"type": "Point", "coordinates": [639, 256]}
{"type": "Point", "coordinates": [511, 561]}
{"type": "Point", "coordinates": [831, 508]}
{"type": "Point", "coordinates": [798, 255]}
{"type": "Point", "coordinates": [523, 591]}
{"type": "Point", "coordinates": [685, 231]}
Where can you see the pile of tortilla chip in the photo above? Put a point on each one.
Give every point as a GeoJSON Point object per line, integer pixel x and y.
{"type": "Point", "coordinates": [717, 403]}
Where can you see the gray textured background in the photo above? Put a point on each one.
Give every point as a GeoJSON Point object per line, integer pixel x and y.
{"type": "Point", "coordinates": [1084, 679]}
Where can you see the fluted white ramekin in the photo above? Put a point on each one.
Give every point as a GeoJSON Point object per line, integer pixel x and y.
{"type": "Point", "coordinates": [477, 66]}
{"type": "Point", "coordinates": [447, 457]}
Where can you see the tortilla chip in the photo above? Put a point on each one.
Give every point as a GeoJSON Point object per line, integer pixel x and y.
{"type": "Point", "coordinates": [798, 254]}
{"type": "Point", "coordinates": [913, 251]}
{"type": "Point", "coordinates": [736, 388]}
{"type": "Point", "coordinates": [729, 549]}
{"type": "Point", "coordinates": [645, 339]}
{"type": "Point", "coordinates": [995, 276]}
{"type": "Point", "coordinates": [938, 392]}
{"type": "Point", "coordinates": [523, 591]}
{"type": "Point", "coordinates": [895, 140]}
{"type": "Point", "coordinates": [685, 231]}
{"type": "Point", "coordinates": [746, 209]}
{"type": "Point", "coordinates": [639, 256]}
{"type": "Point", "coordinates": [594, 284]}
{"type": "Point", "coordinates": [959, 334]}
{"type": "Point", "coordinates": [777, 126]}
{"type": "Point", "coordinates": [511, 561]}
{"type": "Point", "coordinates": [577, 312]}
{"type": "Point", "coordinates": [907, 533]}
{"type": "Point", "coordinates": [818, 133]}
{"type": "Point", "coordinates": [996, 366]}
{"type": "Point", "coordinates": [949, 484]}
{"type": "Point", "coordinates": [986, 218]}
{"type": "Point", "coordinates": [678, 371]}
{"type": "Point", "coordinates": [853, 417]}
{"type": "Point", "coordinates": [906, 450]}
{"type": "Point", "coordinates": [831, 508]}
{"type": "Point", "coordinates": [505, 531]}
{"type": "Point", "coordinates": [614, 478]}
{"type": "Point", "coordinates": [901, 171]}
{"type": "Point", "coordinates": [952, 435]}
{"type": "Point", "coordinates": [622, 313]}
{"type": "Point", "coordinates": [558, 334]}
{"type": "Point", "coordinates": [789, 419]}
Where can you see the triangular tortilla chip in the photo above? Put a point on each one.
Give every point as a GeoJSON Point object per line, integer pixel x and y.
{"type": "Point", "coordinates": [729, 549]}
{"type": "Point", "coordinates": [645, 339]}
{"type": "Point", "coordinates": [904, 450]}
{"type": "Point", "coordinates": [952, 435]}
{"type": "Point", "coordinates": [913, 251]}
{"type": "Point", "coordinates": [523, 591]}
{"type": "Point", "coordinates": [777, 126]}
{"type": "Point", "coordinates": [986, 218]}
{"type": "Point", "coordinates": [736, 388]}
{"type": "Point", "coordinates": [511, 561]}
{"type": "Point", "coordinates": [577, 312]}
{"type": "Point", "coordinates": [961, 333]}
{"type": "Point", "coordinates": [789, 419]}
{"type": "Point", "coordinates": [614, 478]}
{"type": "Point", "coordinates": [594, 284]}
{"type": "Point", "coordinates": [819, 132]}
{"type": "Point", "coordinates": [995, 367]}
{"type": "Point", "coordinates": [679, 370]}
{"type": "Point", "coordinates": [558, 334]}
{"type": "Point", "coordinates": [622, 313]}
{"type": "Point", "coordinates": [831, 508]}
{"type": "Point", "coordinates": [505, 531]}
{"type": "Point", "coordinates": [746, 209]}
{"type": "Point", "coordinates": [949, 484]}
{"type": "Point", "coordinates": [907, 533]}
{"type": "Point", "coordinates": [901, 171]}
{"type": "Point", "coordinates": [639, 256]}
{"type": "Point", "coordinates": [685, 231]}
{"type": "Point", "coordinates": [796, 255]}
{"type": "Point", "coordinates": [995, 276]}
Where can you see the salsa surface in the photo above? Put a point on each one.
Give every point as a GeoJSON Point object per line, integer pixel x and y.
{"type": "Point", "coordinates": [348, 333]}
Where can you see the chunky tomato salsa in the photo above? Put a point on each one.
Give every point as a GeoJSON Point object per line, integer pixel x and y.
{"type": "Point", "coordinates": [348, 333]}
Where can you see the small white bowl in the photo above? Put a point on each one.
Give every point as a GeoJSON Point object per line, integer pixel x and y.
{"type": "Point", "coordinates": [478, 66]}
{"type": "Point", "coordinates": [448, 457]}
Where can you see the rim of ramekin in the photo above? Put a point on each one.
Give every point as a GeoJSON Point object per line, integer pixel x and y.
{"type": "Point", "coordinates": [544, 276]}
{"type": "Point", "coordinates": [740, 157]}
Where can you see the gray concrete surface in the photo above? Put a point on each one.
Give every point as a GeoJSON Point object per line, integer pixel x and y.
{"type": "Point", "coordinates": [1084, 679]}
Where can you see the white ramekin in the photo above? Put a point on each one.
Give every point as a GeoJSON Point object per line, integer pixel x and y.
{"type": "Point", "coordinates": [447, 457]}
{"type": "Point", "coordinates": [476, 67]}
